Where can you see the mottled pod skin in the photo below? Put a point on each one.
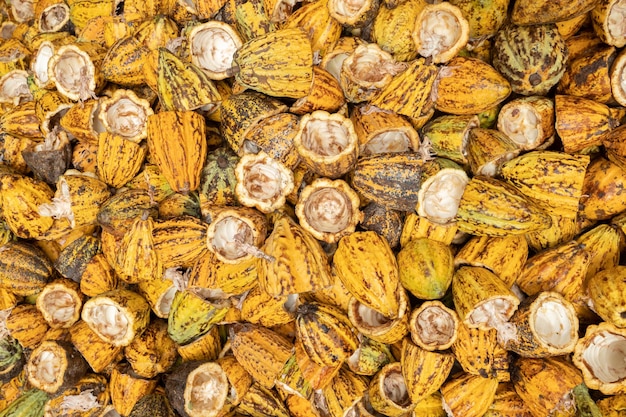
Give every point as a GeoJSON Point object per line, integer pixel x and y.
{"type": "Point", "coordinates": [607, 290]}
{"type": "Point", "coordinates": [469, 86]}
{"type": "Point", "coordinates": [532, 58]}
{"type": "Point", "coordinates": [529, 12]}
{"type": "Point", "coordinates": [544, 384]}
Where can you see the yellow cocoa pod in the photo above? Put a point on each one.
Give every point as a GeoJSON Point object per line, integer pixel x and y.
{"type": "Point", "coordinates": [291, 248]}
{"type": "Point", "coordinates": [188, 151]}
{"type": "Point", "coordinates": [261, 352]}
{"type": "Point", "coordinates": [545, 385]}
{"type": "Point", "coordinates": [326, 333]}
{"type": "Point", "coordinates": [469, 86]}
{"type": "Point", "coordinates": [278, 64]}
{"type": "Point", "coordinates": [20, 200]}
{"type": "Point", "coordinates": [426, 268]}
{"type": "Point", "coordinates": [127, 388]}
{"type": "Point", "coordinates": [424, 371]}
{"type": "Point", "coordinates": [468, 395]}
{"type": "Point", "coordinates": [367, 267]}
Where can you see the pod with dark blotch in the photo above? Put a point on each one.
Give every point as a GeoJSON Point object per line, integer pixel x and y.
{"type": "Point", "coordinates": [155, 404]}
{"type": "Point", "coordinates": [55, 365]}
{"type": "Point", "coordinates": [546, 385]}
{"type": "Point", "coordinates": [528, 12]}
{"type": "Point", "coordinates": [601, 197]}
{"type": "Point", "coordinates": [386, 222]}
{"type": "Point", "coordinates": [73, 259]}
{"type": "Point", "coordinates": [24, 268]}
{"type": "Point", "coordinates": [588, 76]}
{"type": "Point", "coordinates": [20, 198]}
{"type": "Point", "coordinates": [581, 123]}
{"type": "Point", "coordinates": [392, 180]}
{"type": "Point", "coordinates": [532, 58]}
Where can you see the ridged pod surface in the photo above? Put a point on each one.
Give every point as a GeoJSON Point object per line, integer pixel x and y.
{"type": "Point", "coordinates": [532, 58]}
{"type": "Point", "coordinates": [365, 264]}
